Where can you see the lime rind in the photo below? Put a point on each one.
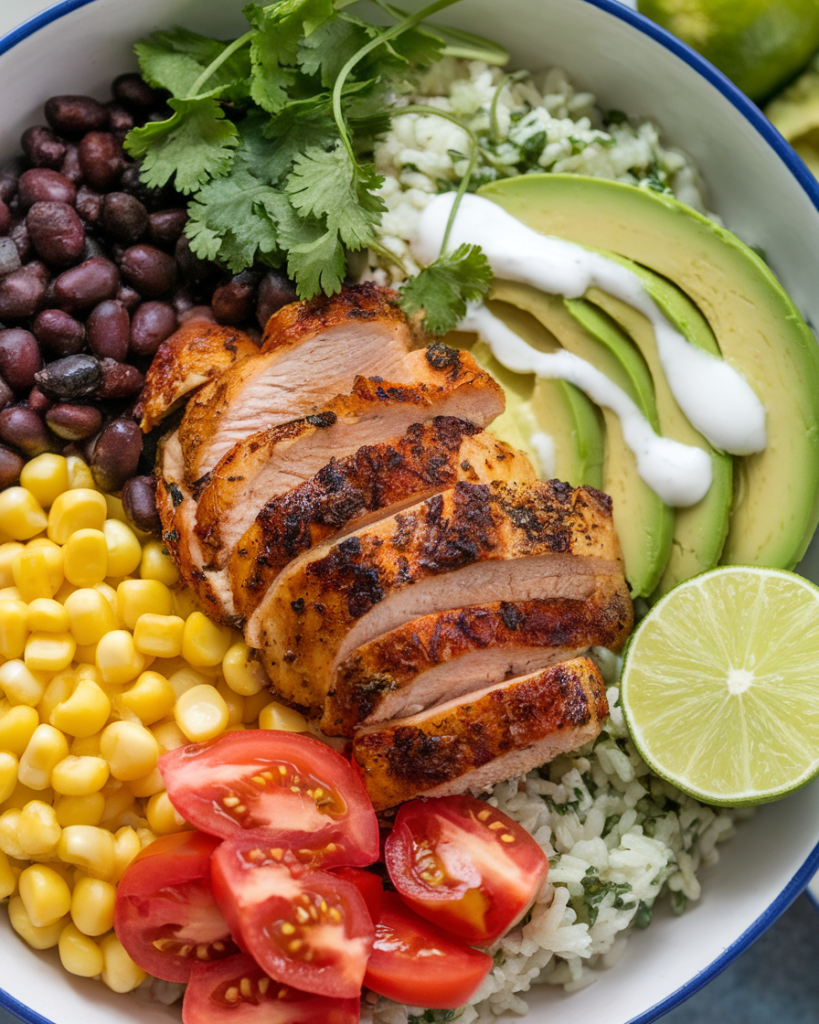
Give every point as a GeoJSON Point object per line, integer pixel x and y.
{"type": "Point", "coordinates": [720, 685]}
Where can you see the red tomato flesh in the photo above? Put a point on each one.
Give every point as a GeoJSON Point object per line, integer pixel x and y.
{"type": "Point", "coordinates": [165, 913]}
{"type": "Point", "coordinates": [414, 962]}
{"type": "Point", "coordinates": [464, 865]}
{"type": "Point", "coordinates": [368, 884]}
{"type": "Point", "coordinates": [309, 929]}
{"type": "Point", "coordinates": [295, 788]}
{"type": "Point", "coordinates": [239, 992]}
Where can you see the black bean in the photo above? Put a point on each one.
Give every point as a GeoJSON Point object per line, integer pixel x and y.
{"type": "Point", "coordinates": [275, 291]}
{"type": "Point", "coordinates": [151, 198]}
{"type": "Point", "coordinates": [120, 120]}
{"type": "Point", "coordinates": [166, 226]}
{"type": "Point", "coordinates": [59, 333]}
{"type": "Point", "coordinates": [74, 422]}
{"type": "Point", "coordinates": [149, 270]}
{"type": "Point", "coordinates": [56, 233]}
{"type": "Point", "coordinates": [41, 185]}
{"type": "Point", "coordinates": [109, 328]}
{"type": "Point", "coordinates": [6, 394]}
{"type": "Point", "coordinates": [152, 323]}
{"type": "Point", "coordinates": [123, 217]}
{"type": "Point", "coordinates": [42, 147]}
{"type": "Point", "coordinates": [22, 240]}
{"type": "Point", "coordinates": [232, 302]}
{"type": "Point", "coordinates": [70, 378]}
{"type": "Point", "coordinates": [75, 115]}
{"type": "Point", "coordinates": [88, 204]}
{"type": "Point", "coordinates": [116, 454]}
{"type": "Point", "coordinates": [23, 428]}
{"type": "Point", "coordinates": [182, 301]}
{"type": "Point", "coordinates": [9, 257]}
{"type": "Point", "coordinates": [192, 268]}
{"type": "Point", "coordinates": [9, 176]}
{"type": "Point", "coordinates": [38, 402]}
{"type": "Point", "coordinates": [70, 167]}
{"type": "Point", "coordinates": [86, 285]}
{"type": "Point", "coordinates": [21, 292]}
{"type": "Point", "coordinates": [20, 358]}
{"type": "Point", "coordinates": [119, 380]}
{"type": "Point", "coordinates": [101, 159]}
{"type": "Point", "coordinates": [11, 466]}
{"type": "Point", "coordinates": [134, 93]}
{"type": "Point", "coordinates": [139, 503]}
{"type": "Point", "coordinates": [5, 218]}
{"type": "Point", "coordinates": [129, 297]}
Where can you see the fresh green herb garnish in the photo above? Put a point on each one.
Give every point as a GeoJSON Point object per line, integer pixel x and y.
{"type": "Point", "coordinates": [595, 889]}
{"type": "Point", "coordinates": [444, 287]}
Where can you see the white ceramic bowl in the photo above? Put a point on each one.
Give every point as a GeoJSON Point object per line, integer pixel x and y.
{"type": "Point", "coordinates": [761, 190]}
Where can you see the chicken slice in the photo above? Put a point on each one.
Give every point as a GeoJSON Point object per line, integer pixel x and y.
{"type": "Point", "coordinates": [198, 352]}
{"type": "Point", "coordinates": [311, 352]}
{"type": "Point", "coordinates": [474, 544]}
{"type": "Point", "coordinates": [442, 657]}
{"type": "Point", "coordinates": [499, 733]}
{"type": "Point", "coordinates": [265, 465]}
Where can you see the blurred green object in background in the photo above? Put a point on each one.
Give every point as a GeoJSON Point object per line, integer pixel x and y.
{"type": "Point", "coordinates": [759, 44]}
{"type": "Point", "coordinates": [795, 112]}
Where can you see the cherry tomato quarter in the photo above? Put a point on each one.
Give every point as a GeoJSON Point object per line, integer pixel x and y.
{"type": "Point", "coordinates": [368, 884]}
{"type": "Point", "coordinates": [464, 865]}
{"type": "Point", "coordinates": [295, 788]}
{"type": "Point", "coordinates": [414, 962]}
{"type": "Point", "coordinates": [309, 929]}
{"type": "Point", "coordinates": [165, 913]}
{"type": "Point", "coordinates": [237, 991]}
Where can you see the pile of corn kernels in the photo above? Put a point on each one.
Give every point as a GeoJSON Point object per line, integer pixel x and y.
{"type": "Point", "coordinates": [105, 664]}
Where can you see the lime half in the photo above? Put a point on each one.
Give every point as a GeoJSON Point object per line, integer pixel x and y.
{"type": "Point", "coordinates": [720, 685]}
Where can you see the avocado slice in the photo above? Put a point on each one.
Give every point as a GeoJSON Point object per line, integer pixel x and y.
{"type": "Point", "coordinates": [699, 530]}
{"type": "Point", "coordinates": [757, 326]}
{"type": "Point", "coordinates": [643, 522]}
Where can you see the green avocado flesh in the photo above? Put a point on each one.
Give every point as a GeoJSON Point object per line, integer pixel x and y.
{"type": "Point", "coordinates": [643, 522]}
{"type": "Point", "coordinates": [758, 328]}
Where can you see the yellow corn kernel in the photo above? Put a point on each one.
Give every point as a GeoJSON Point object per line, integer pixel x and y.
{"type": "Point", "coordinates": [168, 735]}
{"type": "Point", "coordinates": [204, 642]}
{"type": "Point", "coordinates": [45, 895]}
{"type": "Point", "coordinates": [46, 748]}
{"type": "Point", "coordinates": [118, 802]}
{"type": "Point", "coordinates": [38, 830]}
{"type": "Point", "coordinates": [30, 571]}
{"type": "Point", "coordinates": [124, 549]}
{"type": "Point", "coordinates": [117, 658]}
{"type": "Point", "coordinates": [184, 602]}
{"type": "Point", "coordinates": [156, 564]}
{"type": "Point", "coordinates": [46, 615]}
{"type": "Point", "coordinates": [78, 954]}
{"type": "Point", "coordinates": [150, 698]}
{"type": "Point", "coordinates": [277, 716]}
{"type": "Point", "coordinates": [90, 616]}
{"type": "Point", "coordinates": [79, 473]}
{"type": "Point", "coordinates": [49, 652]}
{"type": "Point", "coordinates": [10, 594]}
{"type": "Point", "coordinates": [65, 591]}
{"type": "Point", "coordinates": [86, 558]}
{"type": "Point", "coordinates": [146, 836]}
{"type": "Point", "coordinates": [138, 597]}
{"type": "Point", "coordinates": [13, 628]}
{"type": "Point", "coordinates": [186, 678]}
{"type": "Point", "coordinates": [162, 816]}
{"type": "Point", "coordinates": [21, 515]}
{"type": "Point", "coordinates": [79, 509]}
{"type": "Point", "coordinates": [8, 879]}
{"type": "Point", "coordinates": [54, 557]}
{"type": "Point", "coordinates": [84, 711]}
{"type": "Point", "coordinates": [79, 776]}
{"type": "Point", "coordinates": [201, 713]}
{"type": "Point", "coordinates": [17, 725]}
{"type": "Point", "coordinates": [119, 971]}
{"type": "Point", "coordinates": [37, 938]}
{"type": "Point", "coordinates": [23, 794]}
{"type": "Point", "coordinates": [243, 674]}
{"type": "Point", "coordinates": [90, 848]}
{"type": "Point", "coordinates": [8, 552]}
{"type": "Point", "coordinates": [59, 689]}
{"type": "Point", "coordinates": [8, 775]}
{"type": "Point", "coordinates": [110, 595]}
{"type": "Point", "coordinates": [9, 833]}
{"type": "Point", "coordinates": [148, 785]}
{"type": "Point", "coordinates": [233, 702]}
{"type": "Point", "coordinates": [92, 906]}
{"type": "Point", "coordinates": [46, 477]}
{"type": "Point", "coordinates": [159, 635]}
{"type": "Point", "coordinates": [20, 684]}
{"type": "Point", "coordinates": [79, 810]}
{"type": "Point", "coordinates": [130, 750]}
{"type": "Point", "coordinates": [254, 706]}
{"type": "Point", "coordinates": [126, 847]}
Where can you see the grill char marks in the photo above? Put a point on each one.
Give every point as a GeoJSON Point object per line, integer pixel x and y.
{"type": "Point", "coordinates": [494, 734]}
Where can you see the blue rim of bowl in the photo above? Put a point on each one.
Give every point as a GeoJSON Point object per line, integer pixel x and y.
{"type": "Point", "coordinates": [812, 891]}
{"type": "Point", "coordinates": [810, 185]}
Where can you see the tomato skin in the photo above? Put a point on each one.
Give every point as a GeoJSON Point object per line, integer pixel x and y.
{"type": "Point", "coordinates": [293, 787]}
{"type": "Point", "coordinates": [368, 884]}
{"type": "Point", "coordinates": [205, 1001]}
{"type": "Point", "coordinates": [444, 978]}
{"type": "Point", "coordinates": [165, 896]}
{"type": "Point", "coordinates": [309, 929]}
{"type": "Point", "coordinates": [464, 865]}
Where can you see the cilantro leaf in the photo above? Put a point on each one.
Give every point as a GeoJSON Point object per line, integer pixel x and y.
{"type": "Point", "coordinates": [175, 59]}
{"type": "Point", "coordinates": [443, 288]}
{"type": "Point", "coordinates": [315, 257]}
{"type": "Point", "coordinates": [327, 50]}
{"type": "Point", "coordinates": [276, 142]}
{"type": "Point", "coordinates": [194, 145]}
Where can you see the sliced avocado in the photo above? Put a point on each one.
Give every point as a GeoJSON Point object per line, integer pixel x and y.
{"type": "Point", "coordinates": [759, 330]}
{"type": "Point", "coordinates": [699, 530]}
{"type": "Point", "coordinates": [643, 522]}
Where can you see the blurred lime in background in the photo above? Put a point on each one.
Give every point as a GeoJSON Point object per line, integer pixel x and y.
{"type": "Point", "coordinates": [759, 44]}
{"type": "Point", "coordinates": [795, 112]}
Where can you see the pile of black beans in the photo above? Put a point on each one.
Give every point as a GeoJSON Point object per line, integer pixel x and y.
{"type": "Point", "coordinates": [95, 273]}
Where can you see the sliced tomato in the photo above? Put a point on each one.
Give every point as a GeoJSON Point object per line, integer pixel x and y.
{"type": "Point", "coordinates": [414, 962]}
{"type": "Point", "coordinates": [309, 929]}
{"type": "Point", "coordinates": [368, 884]}
{"type": "Point", "coordinates": [464, 865]}
{"type": "Point", "coordinates": [165, 913]}
{"type": "Point", "coordinates": [239, 992]}
{"type": "Point", "coordinates": [295, 788]}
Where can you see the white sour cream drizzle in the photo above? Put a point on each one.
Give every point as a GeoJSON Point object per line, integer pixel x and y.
{"type": "Point", "coordinates": [717, 401]}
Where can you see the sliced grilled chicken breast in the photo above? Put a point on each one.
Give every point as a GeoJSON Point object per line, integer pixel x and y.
{"type": "Point", "coordinates": [473, 544]}
{"type": "Point", "coordinates": [441, 657]}
{"type": "Point", "coordinates": [469, 744]}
